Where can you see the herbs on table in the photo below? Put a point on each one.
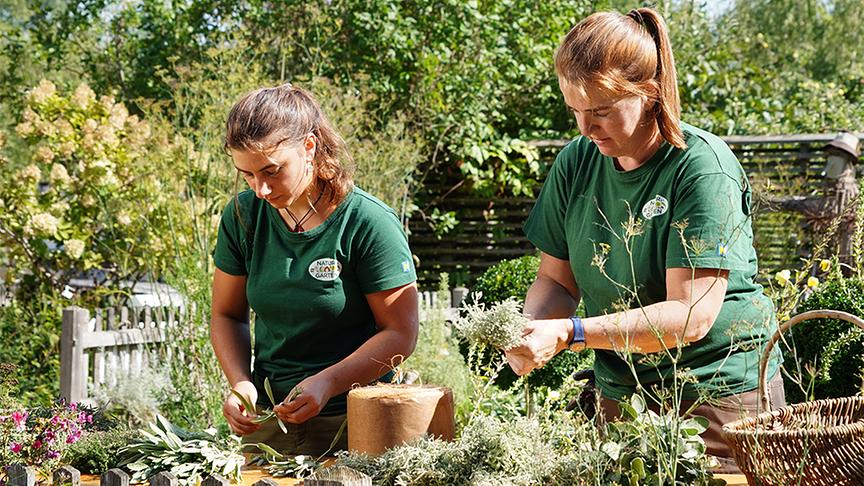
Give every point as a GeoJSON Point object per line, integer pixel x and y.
{"type": "Point", "coordinates": [190, 456]}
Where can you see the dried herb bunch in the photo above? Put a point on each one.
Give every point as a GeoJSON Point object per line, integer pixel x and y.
{"type": "Point", "coordinates": [499, 325]}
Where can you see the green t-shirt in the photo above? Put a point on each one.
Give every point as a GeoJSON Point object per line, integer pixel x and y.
{"type": "Point", "coordinates": [308, 290]}
{"type": "Point", "coordinates": [700, 196]}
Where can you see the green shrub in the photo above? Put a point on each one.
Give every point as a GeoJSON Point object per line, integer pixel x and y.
{"type": "Point", "coordinates": [98, 451]}
{"type": "Point", "coordinates": [836, 347]}
{"type": "Point", "coordinates": [512, 278]}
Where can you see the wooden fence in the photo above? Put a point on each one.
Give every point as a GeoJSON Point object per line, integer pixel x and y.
{"type": "Point", "coordinates": [118, 343]}
{"type": "Point", "coordinates": [490, 228]}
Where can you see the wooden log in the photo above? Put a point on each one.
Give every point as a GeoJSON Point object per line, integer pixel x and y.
{"type": "Point", "coordinates": [114, 477]}
{"type": "Point", "coordinates": [20, 475]}
{"type": "Point", "coordinates": [164, 478]}
{"type": "Point", "coordinates": [66, 476]}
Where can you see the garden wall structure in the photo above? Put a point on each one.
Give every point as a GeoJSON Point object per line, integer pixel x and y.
{"type": "Point", "coordinates": [490, 228]}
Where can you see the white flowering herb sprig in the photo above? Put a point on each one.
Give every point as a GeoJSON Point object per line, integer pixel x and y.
{"type": "Point", "coordinates": [498, 325]}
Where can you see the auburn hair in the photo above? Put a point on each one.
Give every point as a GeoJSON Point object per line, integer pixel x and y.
{"type": "Point", "coordinates": [625, 55]}
{"type": "Point", "coordinates": [267, 117]}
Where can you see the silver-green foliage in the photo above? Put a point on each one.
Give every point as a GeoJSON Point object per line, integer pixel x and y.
{"type": "Point", "coordinates": [190, 456]}
{"type": "Point", "coordinates": [498, 325]}
{"type": "Point", "coordinates": [551, 449]}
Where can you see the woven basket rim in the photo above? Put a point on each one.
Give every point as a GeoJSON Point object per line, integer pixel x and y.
{"type": "Point", "coordinates": [745, 426]}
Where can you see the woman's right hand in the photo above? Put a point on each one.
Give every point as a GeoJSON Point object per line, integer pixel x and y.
{"type": "Point", "coordinates": [240, 419]}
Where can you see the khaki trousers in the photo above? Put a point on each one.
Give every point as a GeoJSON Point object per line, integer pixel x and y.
{"type": "Point", "coordinates": [313, 437]}
{"type": "Point", "coordinates": [718, 411]}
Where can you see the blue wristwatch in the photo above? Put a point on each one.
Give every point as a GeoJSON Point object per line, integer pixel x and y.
{"type": "Point", "coordinates": [578, 331]}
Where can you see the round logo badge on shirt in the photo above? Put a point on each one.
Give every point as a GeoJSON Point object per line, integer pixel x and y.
{"type": "Point", "coordinates": [655, 207]}
{"type": "Point", "coordinates": [325, 269]}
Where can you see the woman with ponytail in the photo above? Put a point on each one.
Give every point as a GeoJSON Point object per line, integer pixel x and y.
{"type": "Point", "coordinates": [646, 220]}
{"type": "Point", "coordinates": [325, 267]}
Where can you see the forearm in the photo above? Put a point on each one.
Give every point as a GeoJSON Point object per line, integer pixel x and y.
{"type": "Point", "coordinates": [546, 299]}
{"type": "Point", "coordinates": [233, 348]}
{"type": "Point", "coordinates": [383, 351]}
{"type": "Point", "coordinates": [653, 328]}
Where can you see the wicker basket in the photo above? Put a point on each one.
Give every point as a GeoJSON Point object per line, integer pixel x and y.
{"type": "Point", "coordinates": [813, 443]}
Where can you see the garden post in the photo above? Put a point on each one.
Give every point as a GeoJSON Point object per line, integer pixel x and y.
{"type": "Point", "coordinates": [66, 475]}
{"type": "Point", "coordinates": [215, 480]}
{"type": "Point", "coordinates": [164, 478]}
{"type": "Point", "coordinates": [73, 360]}
{"type": "Point", "coordinates": [266, 482]}
{"type": "Point", "coordinates": [457, 295]}
{"type": "Point", "coordinates": [20, 475]}
{"type": "Point", "coordinates": [114, 477]}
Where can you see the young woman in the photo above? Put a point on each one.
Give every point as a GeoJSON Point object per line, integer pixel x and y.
{"type": "Point", "coordinates": [325, 267]}
{"type": "Point", "coordinates": [647, 220]}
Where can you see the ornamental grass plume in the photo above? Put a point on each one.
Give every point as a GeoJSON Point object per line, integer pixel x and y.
{"type": "Point", "coordinates": [499, 325]}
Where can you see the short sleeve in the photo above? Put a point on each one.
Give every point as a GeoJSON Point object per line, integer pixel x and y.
{"type": "Point", "coordinates": [545, 224]}
{"type": "Point", "coordinates": [385, 260]}
{"type": "Point", "coordinates": [710, 224]}
{"type": "Point", "coordinates": [229, 255]}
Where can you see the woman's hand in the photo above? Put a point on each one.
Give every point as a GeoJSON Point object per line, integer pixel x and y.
{"type": "Point", "coordinates": [541, 341]}
{"type": "Point", "coordinates": [240, 419]}
{"type": "Point", "coordinates": [306, 400]}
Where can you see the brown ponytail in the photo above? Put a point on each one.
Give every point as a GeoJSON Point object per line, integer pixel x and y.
{"type": "Point", "coordinates": [626, 54]}
{"type": "Point", "coordinates": [265, 117]}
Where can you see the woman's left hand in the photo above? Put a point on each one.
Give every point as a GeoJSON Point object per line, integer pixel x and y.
{"type": "Point", "coordinates": [307, 400]}
{"type": "Point", "coordinates": [541, 341]}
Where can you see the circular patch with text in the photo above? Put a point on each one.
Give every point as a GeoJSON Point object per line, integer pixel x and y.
{"type": "Point", "coordinates": [325, 269]}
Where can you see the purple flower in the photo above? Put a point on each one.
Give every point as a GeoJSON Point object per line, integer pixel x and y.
{"type": "Point", "coordinates": [20, 419]}
{"type": "Point", "coordinates": [52, 454]}
{"type": "Point", "coordinates": [16, 447]}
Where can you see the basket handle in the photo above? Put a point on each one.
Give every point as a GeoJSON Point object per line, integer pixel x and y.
{"type": "Point", "coordinates": [813, 314]}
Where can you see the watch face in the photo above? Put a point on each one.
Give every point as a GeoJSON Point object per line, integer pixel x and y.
{"type": "Point", "coordinates": [834, 166]}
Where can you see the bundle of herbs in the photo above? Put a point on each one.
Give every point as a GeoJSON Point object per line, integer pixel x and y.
{"type": "Point", "coordinates": [498, 325]}
{"type": "Point", "coordinates": [190, 456]}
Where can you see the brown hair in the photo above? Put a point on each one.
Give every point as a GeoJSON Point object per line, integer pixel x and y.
{"type": "Point", "coordinates": [266, 117]}
{"type": "Point", "coordinates": [625, 54]}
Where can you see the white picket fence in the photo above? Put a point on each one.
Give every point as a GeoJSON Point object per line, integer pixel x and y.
{"type": "Point", "coordinates": [97, 349]}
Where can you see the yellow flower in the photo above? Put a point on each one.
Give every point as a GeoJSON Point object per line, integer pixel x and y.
{"type": "Point", "coordinates": [43, 224]}
{"type": "Point", "coordinates": [44, 154]}
{"type": "Point", "coordinates": [59, 175]}
{"type": "Point", "coordinates": [24, 129]}
{"type": "Point", "coordinates": [824, 265]}
{"type": "Point", "coordinates": [812, 282]}
{"type": "Point", "coordinates": [31, 173]}
{"type": "Point", "coordinates": [783, 277]}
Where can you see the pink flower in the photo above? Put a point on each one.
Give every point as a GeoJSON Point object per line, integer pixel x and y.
{"type": "Point", "coordinates": [20, 419]}
{"type": "Point", "coordinates": [16, 447]}
{"type": "Point", "coordinates": [37, 444]}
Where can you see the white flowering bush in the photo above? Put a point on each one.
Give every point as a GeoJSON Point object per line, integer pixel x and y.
{"type": "Point", "coordinates": [93, 197]}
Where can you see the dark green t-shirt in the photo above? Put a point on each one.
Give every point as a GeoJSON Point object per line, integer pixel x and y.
{"type": "Point", "coordinates": [681, 209]}
{"type": "Point", "coordinates": [308, 290]}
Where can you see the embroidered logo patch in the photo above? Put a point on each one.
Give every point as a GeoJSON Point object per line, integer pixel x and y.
{"type": "Point", "coordinates": [406, 266]}
{"type": "Point", "coordinates": [325, 269]}
{"type": "Point", "coordinates": [655, 207]}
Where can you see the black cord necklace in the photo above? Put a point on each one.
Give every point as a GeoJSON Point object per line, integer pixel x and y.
{"type": "Point", "coordinates": [298, 224]}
